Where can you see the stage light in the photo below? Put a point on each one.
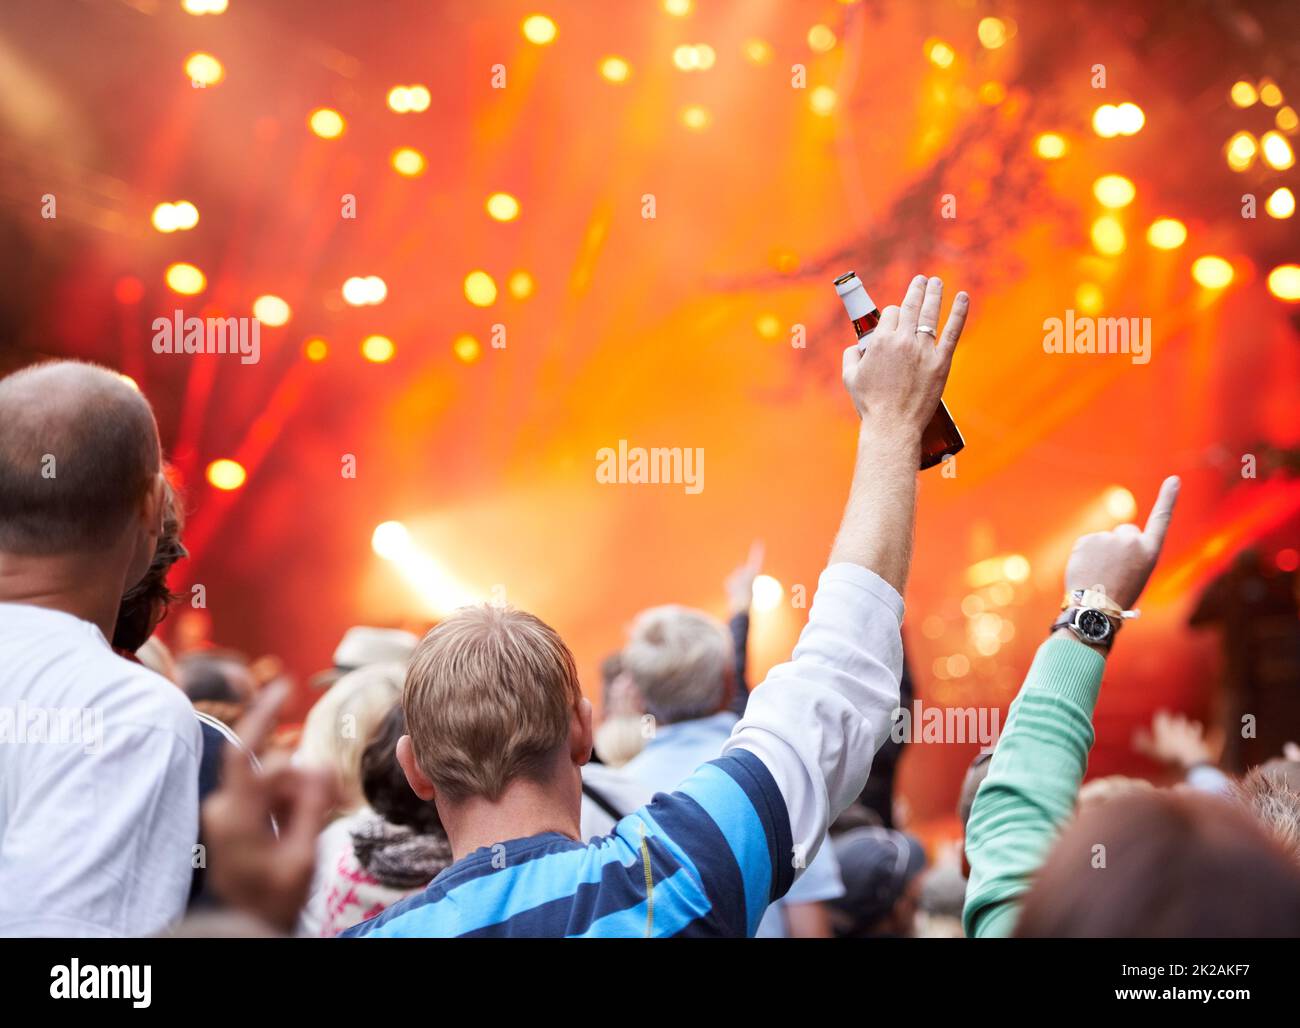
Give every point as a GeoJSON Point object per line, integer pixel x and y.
{"type": "Point", "coordinates": [1106, 121]}
{"type": "Point", "coordinates": [408, 162]}
{"type": "Point", "coordinates": [1287, 119]}
{"type": "Point", "coordinates": [521, 285]}
{"type": "Point", "coordinates": [1276, 150]}
{"type": "Point", "coordinates": [768, 326]}
{"type": "Point", "coordinates": [1130, 119]}
{"type": "Point", "coordinates": [1269, 94]}
{"type": "Point", "coordinates": [364, 292]}
{"type": "Point", "coordinates": [1167, 234]}
{"type": "Point", "coordinates": [174, 217]}
{"type": "Point", "coordinates": [941, 55]}
{"type": "Point", "coordinates": [378, 349]}
{"type": "Point", "coordinates": [467, 349]}
{"type": "Point", "coordinates": [677, 8]}
{"type": "Point", "coordinates": [1108, 235]}
{"type": "Point", "coordinates": [1114, 191]}
{"type": "Point", "coordinates": [204, 69]}
{"type": "Point", "coordinates": [821, 39]}
{"type": "Point", "coordinates": [326, 123]}
{"type": "Point", "coordinates": [390, 540]}
{"type": "Point", "coordinates": [758, 51]}
{"type": "Point", "coordinates": [1240, 151]}
{"type": "Point", "coordinates": [1120, 503]}
{"type": "Point", "coordinates": [502, 207]}
{"type": "Point", "coordinates": [615, 69]}
{"type": "Point", "coordinates": [1050, 146]}
{"type": "Point", "coordinates": [185, 279]}
{"type": "Point", "coordinates": [1280, 203]}
{"type": "Point", "coordinates": [408, 99]}
{"type": "Point", "coordinates": [767, 593]}
{"type": "Point", "coordinates": [226, 474]}
{"type": "Point", "coordinates": [539, 30]}
{"type": "Point", "coordinates": [992, 33]}
{"type": "Point", "coordinates": [1243, 94]}
{"type": "Point", "coordinates": [1212, 272]}
{"type": "Point", "coordinates": [1015, 568]}
{"type": "Point", "coordinates": [1089, 298]}
{"type": "Point", "coordinates": [271, 310]}
{"type": "Point", "coordinates": [822, 100]}
{"type": "Point", "coordinates": [315, 350]}
{"type": "Point", "coordinates": [1284, 282]}
{"type": "Point", "coordinates": [204, 6]}
{"type": "Point", "coordinates": [695, 118]}
{"type": "Point", "coordinates": [128, 290]}
{"type": "Point", "coordinates": [480, 289]}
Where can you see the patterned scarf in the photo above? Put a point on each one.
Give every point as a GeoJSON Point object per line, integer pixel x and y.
{"type": "Point", "coordinates": [396, 856]}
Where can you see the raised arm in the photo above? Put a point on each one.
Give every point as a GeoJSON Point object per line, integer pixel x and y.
{"type": "Point", "coordinates": [1041, 757]}
{"type": "Point", "coordinates": [817, 720]}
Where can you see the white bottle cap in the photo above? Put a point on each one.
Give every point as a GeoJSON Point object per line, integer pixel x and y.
{"type": "Point", "coordinates": [854, 294]}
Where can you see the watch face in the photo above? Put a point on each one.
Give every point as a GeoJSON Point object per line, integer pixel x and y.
{"type": "Point", "coordinates": [1093, 625]}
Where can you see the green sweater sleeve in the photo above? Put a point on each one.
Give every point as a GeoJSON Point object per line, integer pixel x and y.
{"type": "Point", "coordinates": [1032, 783]}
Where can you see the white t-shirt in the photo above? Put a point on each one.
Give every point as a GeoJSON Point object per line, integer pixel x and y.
{"type": "Point", "coordinates": [99, 772]}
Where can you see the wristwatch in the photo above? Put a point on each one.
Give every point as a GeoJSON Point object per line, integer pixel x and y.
{"type": "Point", "coordinates": [1090, 624]}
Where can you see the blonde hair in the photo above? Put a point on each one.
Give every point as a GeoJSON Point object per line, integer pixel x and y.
{"type": "Point", "coordinates": [619, 739]}
{"type": "Point", "coordinates": [340, 724]}
{"type": "Point", "coordinates": [679, 659]}
{"type": "Point", "coordinates": [1272, 793]}
{"type": "Point", "coordinates": [490, 696]}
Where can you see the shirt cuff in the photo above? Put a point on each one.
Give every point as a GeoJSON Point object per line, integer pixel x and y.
{"type": "Point", "coordinates": [857, 577]}
{"type": "Point", "coordinates": [1067, 668]}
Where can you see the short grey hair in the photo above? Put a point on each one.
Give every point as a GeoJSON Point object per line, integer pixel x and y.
{"type": "Point", "coordinates": [680, 659]}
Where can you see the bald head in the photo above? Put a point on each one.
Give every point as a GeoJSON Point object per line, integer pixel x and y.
{"type": "Point", "coordinates": [78, 454]}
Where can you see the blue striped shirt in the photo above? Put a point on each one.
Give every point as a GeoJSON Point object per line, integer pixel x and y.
{"type": "Point", "coordinates": [705, 860]}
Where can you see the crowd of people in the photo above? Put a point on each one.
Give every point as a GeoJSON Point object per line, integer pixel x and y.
{"type": "Point", "coordinates": [459, 784]}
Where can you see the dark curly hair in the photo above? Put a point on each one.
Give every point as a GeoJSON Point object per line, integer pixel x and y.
{"type": "Point", "coordinates": [145, 603]}
{"type": "Point", "coordinates": [385, 786]}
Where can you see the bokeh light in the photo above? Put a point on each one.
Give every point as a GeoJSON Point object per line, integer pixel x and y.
{"type": "Point", "coordinates": [390, 540]}
{"type": "Point", "coordinates": [695, 118]}
{"type": "Point", "coordinates": [539, 30]}
{"type": "Point", "coordinates": [467, 349]}
{"type": "Point", "coordinates": [520, 285]}
{"type": "Point", "coordinates": [185, 279]}
{"type": "Point", "coordinates": [1284, 282]}
{"type": "Point", "coordinates": [939, 53]}
{"type": "Point", "coordinates": [1240, 151]}
{"type": "Point", "coordinates": [1120, 503]}
{"type": "Point", "coordinates": [1114, 191]}
{"type": "Point", "coordinates": [1276, 150]}
{"type": "Point", "coordinates": [204, 69]}
{"type": "Point", "coordinates": [767, 593]}
{"type": "Point", "coordinates": [1212, 272]}
{"type": "Point", "coordinates": [615, 69]}
{"type": "Point", "coordinates": [378, 349]}
{"type": "Point", "coordinates": [175, 217]}
{"type": "Point", "coordinates": [1050, 146]}
{"type": "Point", "coordinates": [992, 33]}
{"type": "Point", "coordinates": [1280, 203]}
{"type": "Point", "coordinates": [1243, 94]}
{"type": "Point", "coordinates": [326, 123]}
{"type": "Point", "coordinates": [480, 289]}
{"type": "Point", "coordinates": [821, 38]}
{"type": "Point", "coordinates": [226, 474]}
{"type": "Point", "coordinates": [1167, 234]}
{"type": "Point", "coordinates": [502, 207]}
{"type": "Point", "coordinates": [315, 350]}
{"type": "Point", "coordinates": [271, 310]}
{"type": "Point", "coordinates": [1108, 235]}
{"type": "Point", "coordinates": [408, 161]}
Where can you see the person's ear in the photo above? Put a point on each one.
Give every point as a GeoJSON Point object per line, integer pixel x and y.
{"type": "Point", "coordinates": [415, 778]}
{"type": "Point", "coordinates": [581, 734]}
{"type": "Point", "coordinates": [153, 505]}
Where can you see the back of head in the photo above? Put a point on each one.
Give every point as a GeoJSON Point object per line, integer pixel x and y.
{"type": "Point", "coordinates": [1160, 864]}
{"type": "Point", "coordinates": [680, 659]}
{"type": "Point", "coordinates": [78, 452]}
{"type": "Point", "coordinates": [1271, 792]}
{"type": "Point", "coordinates": [490, 696]}
{"type": "Point", "coordinates": [341, 722]}
{"type": "Point", "coordinates": [385, 786]}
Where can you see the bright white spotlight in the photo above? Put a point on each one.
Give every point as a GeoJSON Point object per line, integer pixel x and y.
{"type": "Point", "coordinates": [768, 593]}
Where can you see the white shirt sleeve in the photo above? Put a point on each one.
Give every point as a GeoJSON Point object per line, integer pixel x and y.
{"type": "Point", "coordinates": [817, 721]}
{"type": "Point", "coordinates": [101, 842]}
